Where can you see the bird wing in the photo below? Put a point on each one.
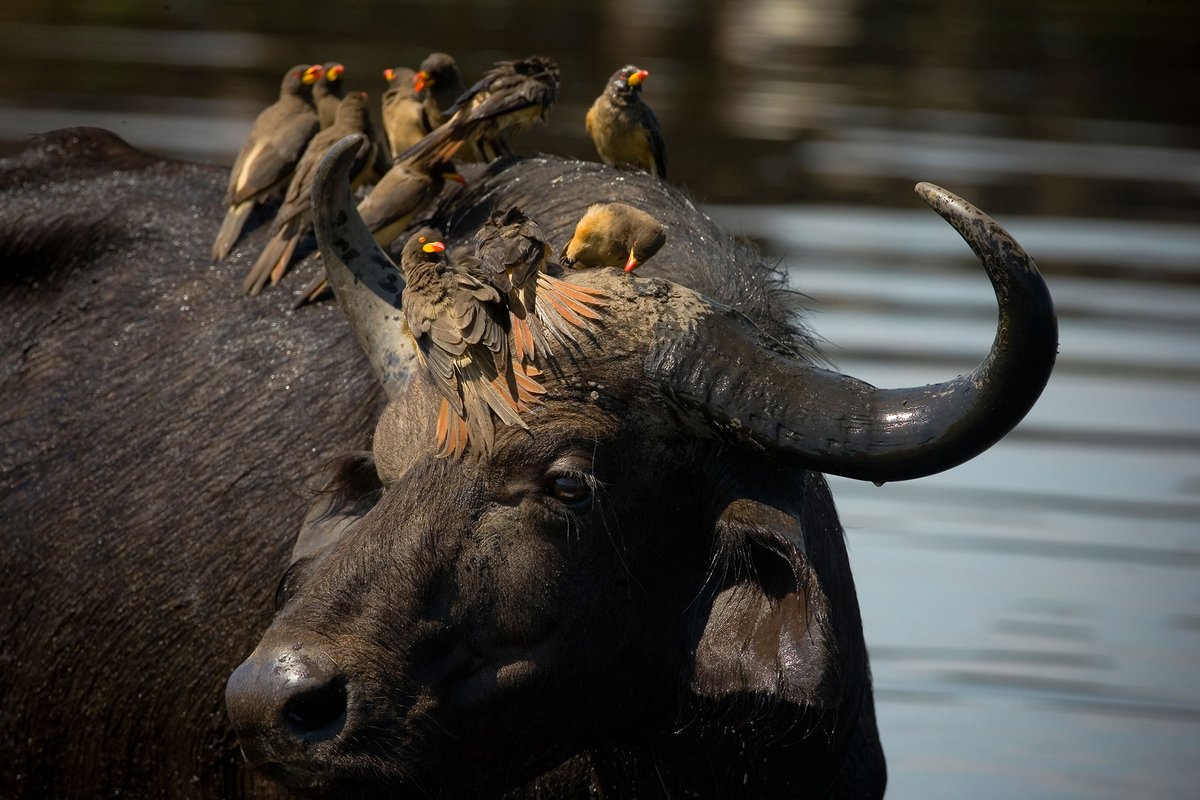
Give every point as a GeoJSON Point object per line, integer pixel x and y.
{"type": "Point", "coordinates": [658, 146]}
{"type": "Point", "coordinates": [270, 156]}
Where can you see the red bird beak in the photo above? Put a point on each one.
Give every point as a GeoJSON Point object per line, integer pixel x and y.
{"type": "Point", "coordinates": [311, 75]}
{"type": "Point", "coordinates": [638, 77]}
{"type": "Point", "coordinates": [335, 72]}
{"type": "Point", "coordinates": [420, 80]}
{"type": "Point", "coordinates": [388, 74]}
{"type": "Point", "coordinates": [433, 247]}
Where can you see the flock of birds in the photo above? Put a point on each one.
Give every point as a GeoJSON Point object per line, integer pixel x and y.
{"type": "Point", "coordinates": [462, 303]}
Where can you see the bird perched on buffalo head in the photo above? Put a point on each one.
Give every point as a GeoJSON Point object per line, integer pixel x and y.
{"type": "Point", "coordinates": [513, 95]}
{"type": "Point", "coordinates": [515, 255]}
{"type": "Point", "coordinates": [623, 128]}
{"type": "Point", "coordinates": [459, 322]}
{"type": "Point", "coordinates": [614, 235]}
{"type": "Point", "coordinates": [270, 153]}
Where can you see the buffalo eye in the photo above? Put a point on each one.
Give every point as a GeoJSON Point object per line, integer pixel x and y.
{"type": "Point", "coordinates": [571, 490]}
{"type": "Point", "coordinates": [290, 583]}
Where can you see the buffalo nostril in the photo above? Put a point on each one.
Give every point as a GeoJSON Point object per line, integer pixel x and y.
{"type": "Point", "coordinates": [318, 712]}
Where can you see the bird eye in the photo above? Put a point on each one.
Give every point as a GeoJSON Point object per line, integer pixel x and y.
{"type": "Point", "coordinates": [572, 490]}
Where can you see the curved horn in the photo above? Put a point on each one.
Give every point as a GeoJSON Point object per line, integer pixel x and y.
{"type": "Point", "coordinates": [369, 287]}
{"type": "Point", "coordinates": [841, 425]}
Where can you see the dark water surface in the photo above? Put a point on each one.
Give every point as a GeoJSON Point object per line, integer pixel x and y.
{"type": "Point", "coordinates": [1034, 615]}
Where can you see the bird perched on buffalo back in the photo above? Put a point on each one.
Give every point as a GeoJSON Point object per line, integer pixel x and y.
{"type": "Point", "coordinates": [404, 191]}
{"type": "Point", "coordinates": [328, 92]}
{"type": "Point", "coordinates": [294, 219]}
{"type": "Point", "coordinates": [513, 95]}
{"type": "Point", "coordinates": [407, 188]}
{"type": "Point", "coordinates": [405, 117]}
{"type": "Point", "coordinates": [614, 235]}
{"type": "Point", "coordinates": [624, 129]}
{"type": "Point", "coordinates": [514, 254]}
{"type": "Point", "coordinates": [439, 85]}
{"type": "Point", "coordinates": [270, 153]}
{"type": "Point", "coordinates": [460, 325]}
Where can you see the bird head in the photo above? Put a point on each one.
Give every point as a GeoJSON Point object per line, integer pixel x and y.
{"type": "Point", "coordinates": [635, 76]}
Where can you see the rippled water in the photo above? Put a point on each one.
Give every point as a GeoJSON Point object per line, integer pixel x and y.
{"type": "Point", "coordinates": [1034, 615]}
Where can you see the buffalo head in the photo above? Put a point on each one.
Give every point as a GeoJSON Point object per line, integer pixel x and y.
{"type": "Point", "coordinates": [648, 587]}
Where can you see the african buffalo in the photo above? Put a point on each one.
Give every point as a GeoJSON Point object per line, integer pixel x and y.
{"type": "Point", "coordinates": [646, 595]}
{"type": "Point", "coordinates": [647, 592]}
{"type": "Point", "coordinates": [158, 433]}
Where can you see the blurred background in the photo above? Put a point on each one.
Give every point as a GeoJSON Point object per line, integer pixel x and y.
{"type": "Point", "coordinates": [1034, 615]}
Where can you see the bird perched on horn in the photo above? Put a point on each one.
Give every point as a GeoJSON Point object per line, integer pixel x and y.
{"type": "Point", "coordinates": [614, 235]}
{"type": "Point", "coordinates": [294, 218]}
{"type": "Point", "coordinates": [270, 153]}
{"type": "Point", "coordinates": [513, 95]}
{"type": "Point", "coordinates": [514, 254]}
{"type": "Point", "coordinates": [623, 128]}
{"type": "Point", "coordinates": [459, 322]}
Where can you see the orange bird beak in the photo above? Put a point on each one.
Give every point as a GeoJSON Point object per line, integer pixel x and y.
{"type": "Point", "coordinates": [454, 176]}
{"type": "Point", "coordinates": [420, 81]}
{"type": "Point", "coordinates": [388, 74]}
{"type": "Point", "coordinates": [433, 247]}
{"type": "Point", "coordinates": [638, 77]}
{"type": "Point", "coordinates": [311, 75]}
{"type": "Point", "coordinates": [335, 72]}
{"type": "Point", "coordinates": [632, 263]}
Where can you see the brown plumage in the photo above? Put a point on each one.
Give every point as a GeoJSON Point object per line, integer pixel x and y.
{"type": "Point", "coordinates": [294, 219]}
{"type": "Point", "coordinates": [439, 85]}
{"type": "Point", "coordinates": [514, 255]}
{"type": "Point", "coordinates": [512, 96]}
{"type": "Point", "coordinates": [328, 92]}
{"type": "Point", "coordinates": [614, 235]}
{"type": "Point", "coordinates": [407, 188]}
{"type": "Point", "coordinates": [623, 128]}
{"type": "Point", "coordinates": [405, 191]}
{"type": "Point", "coordinates": [460, 325]}
{"type": "Point", "coordinates": [405, 116]}
{"type": "Point", "coordinates": [270, 153]}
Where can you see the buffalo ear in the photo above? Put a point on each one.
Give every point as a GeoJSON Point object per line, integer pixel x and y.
{"type": "Point", "coordinates": [761, 635]}
{"type": "Point", "coordinates": [350, 492]}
